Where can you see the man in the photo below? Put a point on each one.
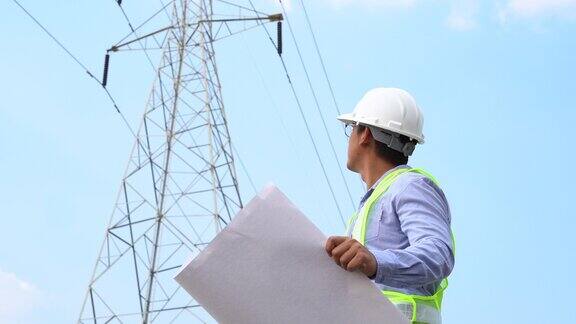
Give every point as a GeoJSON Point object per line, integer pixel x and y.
{"type": "Point", "coordinates": [400, 237]}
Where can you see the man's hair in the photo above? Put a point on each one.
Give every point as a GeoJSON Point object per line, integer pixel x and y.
{"type": "Point", "coordinates": [392, 156]}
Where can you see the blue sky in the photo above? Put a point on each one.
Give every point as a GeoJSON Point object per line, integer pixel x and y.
{"type": "Point", "coordinates": [495, 80]}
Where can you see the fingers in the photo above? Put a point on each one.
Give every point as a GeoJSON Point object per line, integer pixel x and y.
{"type": "Point", "coordinates": [349, 255]}
{"type": "Point", "coordinates": [364, 261]}
{"type": "Point", "coordinates": [345, 251]}
{"type": "Point", "coordinates": [357, 262]}
{"type": "Point", "coordinates": [338, 251]}
{"type": "Point", "coordinates": [334, 241]}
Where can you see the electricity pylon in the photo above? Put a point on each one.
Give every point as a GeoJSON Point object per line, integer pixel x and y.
{"type": "Point", "coordinates": [180, 187]}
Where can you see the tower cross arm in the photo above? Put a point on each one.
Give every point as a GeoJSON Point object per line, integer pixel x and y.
{"type": "Point", "coordinates": [270, 18]}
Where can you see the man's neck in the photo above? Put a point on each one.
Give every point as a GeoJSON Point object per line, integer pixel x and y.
{"type": "Point", "coordinates": [373, 170]}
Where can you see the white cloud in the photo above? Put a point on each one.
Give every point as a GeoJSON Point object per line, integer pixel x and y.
{"type": "Point", "coordinates": [463, 15]}
{"type": "Point", "coordinates": [17, 297]}
{"type": "Point", "coordinates": [527, 9]}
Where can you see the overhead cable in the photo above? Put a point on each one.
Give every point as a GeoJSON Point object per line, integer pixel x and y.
{"type": "Point", "coordinates": [295, 150]}
{"type": "Point", "coordinates": [309, 24]}
{"type": "Point", "coordinates": [75, 59]}
{"type": "Point", "coordinates": [318, 109]}
{"type": "Point", "coordinates": [56, 40]}
{"type": "Point", "coordinates": [245, 169]}
{"type": "Point", "coordinates": [321, 59]}
{"type": "Point", "coordinates": [308, 129]}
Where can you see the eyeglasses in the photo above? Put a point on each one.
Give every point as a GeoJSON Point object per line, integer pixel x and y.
{"type": "Point", "coordinates": [348, 129]}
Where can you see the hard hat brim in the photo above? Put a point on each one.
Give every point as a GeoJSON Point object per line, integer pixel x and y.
{"type": "Point", "coordinates": [350, 118]}
{"type": "Point", "coordinates": [347, 118]}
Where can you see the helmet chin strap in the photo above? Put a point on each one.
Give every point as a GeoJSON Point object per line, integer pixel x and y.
{"type": "Point", "coordinates": [393, 141]}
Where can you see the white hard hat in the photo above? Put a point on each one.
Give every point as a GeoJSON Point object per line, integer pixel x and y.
{"type": "Point", "coordinates": [389, 109]}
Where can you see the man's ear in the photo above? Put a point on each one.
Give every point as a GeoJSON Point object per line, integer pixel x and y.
{"type": "Point", "coordinates": [365, 136]}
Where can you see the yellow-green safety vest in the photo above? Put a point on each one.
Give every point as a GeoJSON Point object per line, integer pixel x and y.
{"type": "Point", "coordinates": [419, 309]}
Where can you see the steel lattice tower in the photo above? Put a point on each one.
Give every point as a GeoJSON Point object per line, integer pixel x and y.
{"type": "Point", "coordinates": [180, 187]}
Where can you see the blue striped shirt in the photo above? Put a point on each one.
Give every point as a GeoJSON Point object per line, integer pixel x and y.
{"type": "Point", "coordinates": [409, 233]}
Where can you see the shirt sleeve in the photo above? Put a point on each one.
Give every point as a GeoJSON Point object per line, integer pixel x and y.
{"type": "Point", "coordinates": [424, 217]}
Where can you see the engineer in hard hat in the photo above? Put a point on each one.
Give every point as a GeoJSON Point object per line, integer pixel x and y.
{"type": "Point", "coordinates": [400, 236]}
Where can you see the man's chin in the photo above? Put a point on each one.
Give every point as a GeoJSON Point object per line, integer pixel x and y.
{"type": "Point", "coordinates": [351, 167]}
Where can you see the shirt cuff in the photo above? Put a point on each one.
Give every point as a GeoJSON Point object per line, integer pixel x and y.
{"type": "Point", "coordinates": [385, 261]}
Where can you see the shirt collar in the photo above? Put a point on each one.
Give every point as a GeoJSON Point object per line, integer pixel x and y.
{"type": "Point", "coordinates": [369, 192]}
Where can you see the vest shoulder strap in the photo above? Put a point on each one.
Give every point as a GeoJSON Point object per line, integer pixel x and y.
{"type": "Point", "coordinates": [360, 220]}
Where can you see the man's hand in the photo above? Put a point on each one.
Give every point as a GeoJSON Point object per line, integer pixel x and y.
{"type": "Point", "coordinates": [351, 255]}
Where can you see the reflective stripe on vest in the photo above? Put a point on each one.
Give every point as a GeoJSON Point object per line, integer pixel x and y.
{"type": "Point", "coordinates": [409, 304]}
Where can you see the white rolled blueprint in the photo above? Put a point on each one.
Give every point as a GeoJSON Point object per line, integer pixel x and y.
{"type": "Point", "coordinates": [269, 265]}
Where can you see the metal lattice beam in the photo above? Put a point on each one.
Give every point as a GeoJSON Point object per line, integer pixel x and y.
{"type": "Point", "coordinates": [180, 187]}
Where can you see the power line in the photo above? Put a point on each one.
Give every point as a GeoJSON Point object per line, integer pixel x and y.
{"type": "Point", "coordinates": [133, 30]}
{"type": "Point", "coordinates": [245, 170]}
{"type": "Point", "coordinates": [318, 109]}
{"type": "Point", "coordinates": [308, 130]}
{"type": "Point", "coordinates": [111, 98]}
{"type": "Point", "coordinates": [108, 94]}
{"type": "Point", "coordinates": [297, 153]}
{"type": "Point", "coordinates": [56, 40]}
{"type": "Point", "coordinates": [309, 24]}
{"type": "Point", "coordinates": [325, 72]}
